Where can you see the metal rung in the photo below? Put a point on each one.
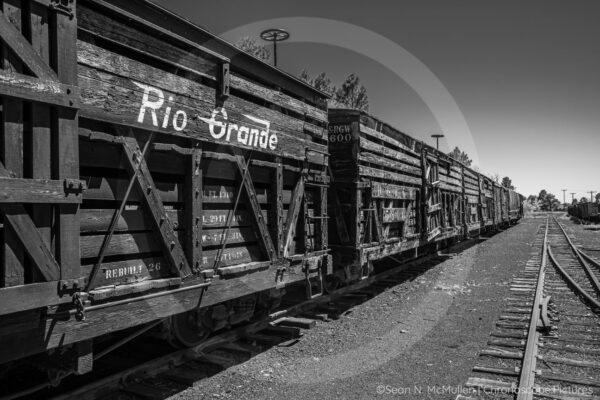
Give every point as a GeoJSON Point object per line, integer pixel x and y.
{"type": "Point", "coordinates": [321, 217]}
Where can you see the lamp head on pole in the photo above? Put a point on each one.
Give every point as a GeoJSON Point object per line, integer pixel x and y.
{"type": "Point", "coordinates": [437, 137]}
{"type": "Point", "coordinates": [275, 35]}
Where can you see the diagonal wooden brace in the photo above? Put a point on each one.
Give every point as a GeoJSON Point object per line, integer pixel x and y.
{"type": "Point", "coordinates": [172, 249]}
{"type": "Point", "coordinates": [30, 237]}
{"type": "Point", "coordinates": [32, 241]}
{"type": "Point", "coordinates": [24, 51]}
{"type": "Point", "coordinates": [265, 239]}
{"type": "Point", "coordinates": [293, 212]}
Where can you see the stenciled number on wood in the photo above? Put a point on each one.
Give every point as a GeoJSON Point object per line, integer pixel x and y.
{"type": "Point", "coordinates": [340, 133]}
{"type": "Point", "coordinates": [153, 102]}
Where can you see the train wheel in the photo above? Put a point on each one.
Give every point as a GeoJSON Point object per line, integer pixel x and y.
{"type": "Point", "coordinates": [189, 329]}
{"type": "Point", "coordinates": [331, 284]}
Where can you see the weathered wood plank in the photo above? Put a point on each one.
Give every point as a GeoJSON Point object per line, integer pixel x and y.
{"type": "Point", "coordinates": [384, 162]}
{"type": "Point", "coordinates": [19, 86]}
{"type": "Point", "coordinates": [391, 215]}
{"type": "Point", "coordinates": [376, 173]}
{"type": "Point", "coordinates": [278, 98]}
{"type": "Point", "coordinates": [19, 190]}
{"type": "Point", "coordinates": [389, 191]}
{"type": "Point", "coordinates": [383, 137]}
{"type": "Point", "coordinates": [126, 79]}
{"type": "Point", "coordinates": [388, 152]}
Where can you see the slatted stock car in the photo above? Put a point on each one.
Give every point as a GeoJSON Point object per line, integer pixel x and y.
{"type": "Point", "coordinates": [152, 172]}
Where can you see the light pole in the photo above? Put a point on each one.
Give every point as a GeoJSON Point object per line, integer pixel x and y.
{"type": "Point", "coordinates": [564, 201]}
{"type": "Point", "coordinates": [572, 197]}
{"type": "Point", "coordinates": [275, 35]}
{"type": "Point", "coordinates": [592, 195]}
{"type": "Point", "coordinates": [437, 137]}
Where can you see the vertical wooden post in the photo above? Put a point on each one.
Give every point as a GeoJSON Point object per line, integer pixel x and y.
{"type": "Point", "coordinates": [193, 210]}
{"type": "Point", "coordinates": [40, 140]}
{"type": "Point", "coordinates": [65, 146]}
{"type": "Point", "coordinates": [13, 273]}
{"type": "Point", "coordinates": [276, 212]}
{"type": "Point", "coordinates": [424, 177]}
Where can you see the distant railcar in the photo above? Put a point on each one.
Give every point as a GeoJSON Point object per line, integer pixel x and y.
{"type": "Point", "coordinates": [391, 194]}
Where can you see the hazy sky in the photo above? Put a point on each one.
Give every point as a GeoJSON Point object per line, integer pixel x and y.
{"type": "Point", "coordinates": [525, 74]}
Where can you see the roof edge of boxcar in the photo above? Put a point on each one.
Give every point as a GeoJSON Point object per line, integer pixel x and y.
{"type": "Point", "coordinates": [240, 60]}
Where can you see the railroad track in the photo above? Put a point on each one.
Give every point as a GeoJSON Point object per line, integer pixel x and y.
{"type": "Point", "coordinates": [160, 373]}
{"type": "Point", "coordinates": [546, 345]}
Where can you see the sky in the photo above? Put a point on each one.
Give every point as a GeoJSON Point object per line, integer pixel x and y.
{"type": "Point", "coordinates": [523, 76]}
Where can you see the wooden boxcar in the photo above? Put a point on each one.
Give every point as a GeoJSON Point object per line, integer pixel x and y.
{"type": "Point", "coordinates": [390, 193]}
{"type": "Point", "coordinates": [149, 171]}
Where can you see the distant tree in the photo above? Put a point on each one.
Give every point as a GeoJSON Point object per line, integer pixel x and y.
{"type": "Point", "coordinates": [598, 198]}
{"type": "Point", "coordinates": [495, 177]}
{"type": "Point", "coordinates": [542, 195]}
{"type": "Point", "coordinates": [350, 95]}
{"type": "Point", "coordinates": [461, 156]}
{"type": "Point", "coordinates": [547, 201]}
{"type": "Point", "coordinates": [532, 199]}
{"type": "Point", "coordinates": [575, 201]}
{"type": "Point", "coordinates": [555, 204]}
{"type": "Point", "coordinates": [507, 183]}
{"type": "Point", "coordinates": [323, 83]}
{"type": "Point", "coordinates": [353, 94]}
{"type": "Point", "coordinates": [583, 200]}
{"type": "Point", "coordinates": [250, 46]}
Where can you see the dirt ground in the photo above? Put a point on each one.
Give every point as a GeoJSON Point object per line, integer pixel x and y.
{"type": "Point", "coordinates": [417, 340]}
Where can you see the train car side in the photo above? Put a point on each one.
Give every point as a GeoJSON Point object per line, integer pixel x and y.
{"type": "Point", "coordinates": [181, 177]}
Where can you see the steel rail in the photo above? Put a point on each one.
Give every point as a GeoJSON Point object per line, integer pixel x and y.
{"type": "Point", "coordinates": [581, 259]}
{"type": "Point", "coordinates": [525, 388]}
{"type": "Point", "coordinates": [572, 281]}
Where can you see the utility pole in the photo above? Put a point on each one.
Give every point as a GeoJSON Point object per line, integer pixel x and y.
{"type": "Point", "coordinates": [591, 192]}
{"type": "Point", "coordinates": [564, 201]}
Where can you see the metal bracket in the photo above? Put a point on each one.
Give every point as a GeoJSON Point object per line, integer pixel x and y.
{"type": "Point", "coordinates": [74, 186]}
{"type": "Point", "coordinates": [224, 81]}
{"type": "Point", "coordinates": [71, 285]}
{"type": "Point", "coordinates": [62, 6]}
